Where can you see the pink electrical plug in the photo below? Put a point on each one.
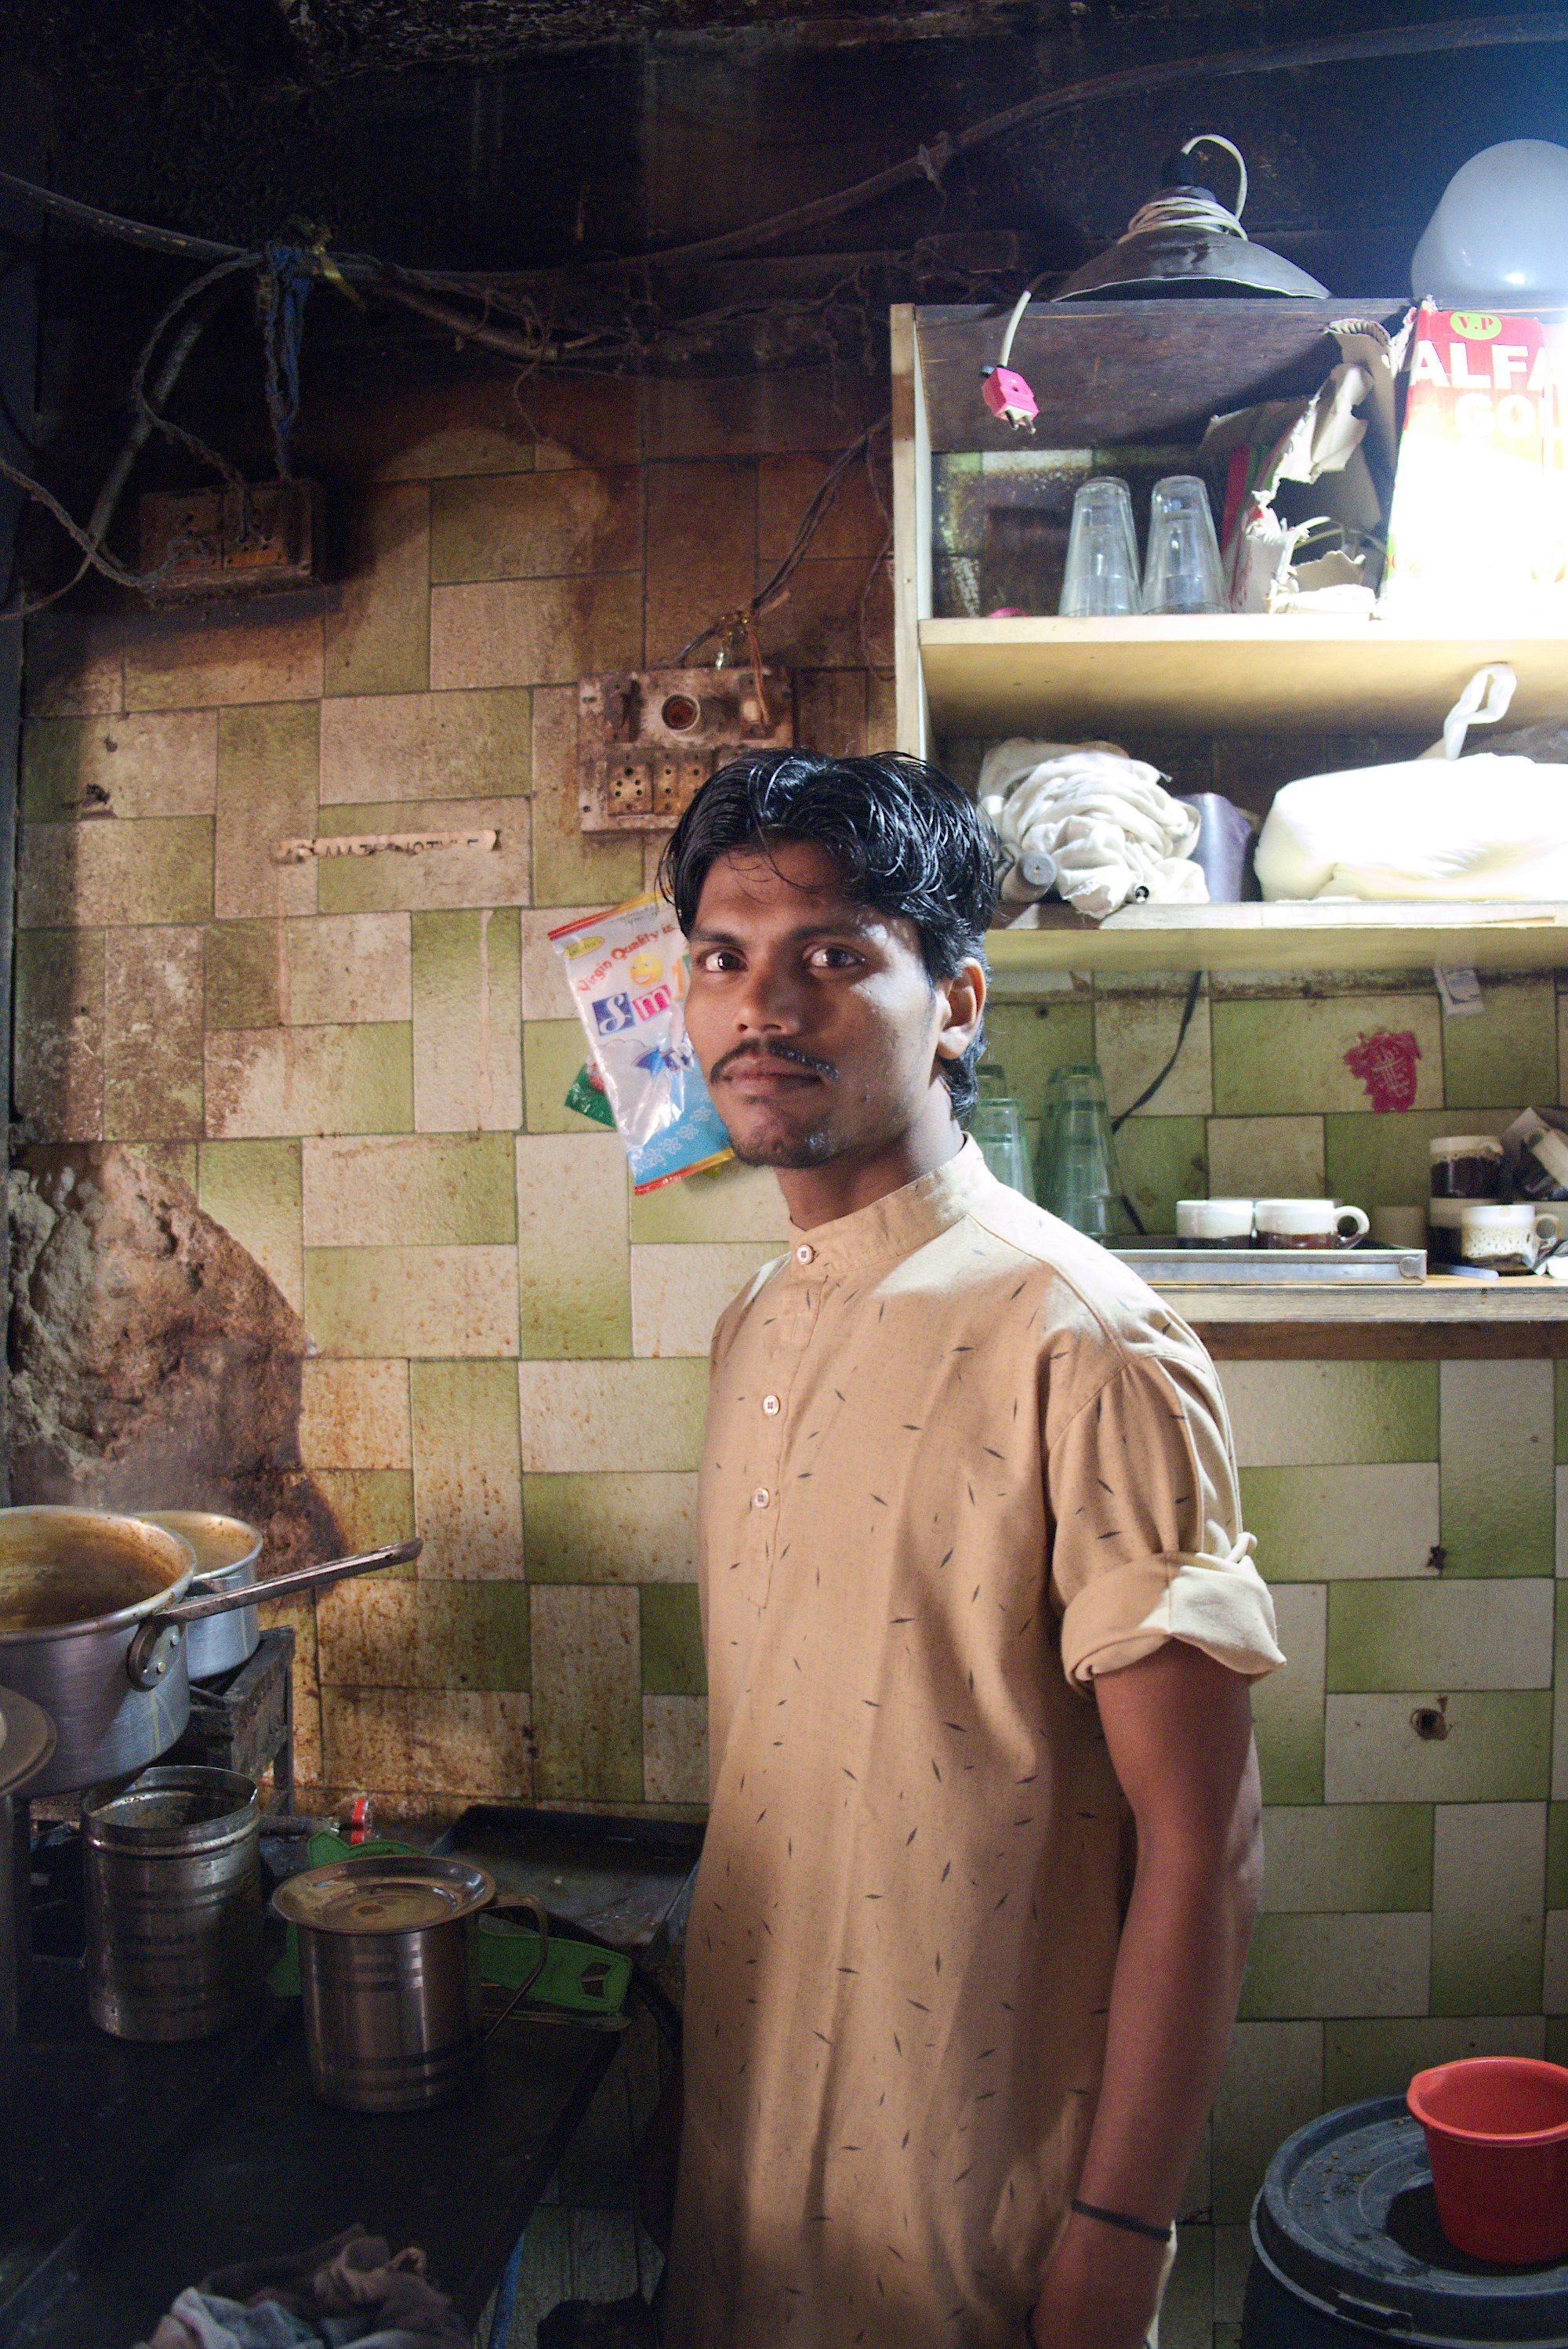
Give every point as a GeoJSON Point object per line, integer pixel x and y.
{"type": "Point", "coordinates": [1009, 397]}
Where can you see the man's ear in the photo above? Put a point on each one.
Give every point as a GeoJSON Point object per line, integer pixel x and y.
{"type": "Point", "coordinates": [963, 997]}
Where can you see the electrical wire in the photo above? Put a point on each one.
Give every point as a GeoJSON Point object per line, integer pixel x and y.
{"type": "Point", "coordinates": [1151, 1089]}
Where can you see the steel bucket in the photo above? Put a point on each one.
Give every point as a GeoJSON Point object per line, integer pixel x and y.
{"type": "Point", "coordinates": [173, 1878]}
{"type": "Point", "coordinates": [226, 1551]}
{"type": "Point", "coordinates": [388, 1962]}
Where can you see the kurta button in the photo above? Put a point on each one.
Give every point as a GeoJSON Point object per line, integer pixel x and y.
{"type": "Point", "coordinates": [804, 1255]}
{"type": "Point", "coordinates": [771, 1405]}
{"type": "Point", "coordinates": [760, 1497]}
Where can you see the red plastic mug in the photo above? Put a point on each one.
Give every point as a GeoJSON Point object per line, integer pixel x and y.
{"type": "Point", "coordinates": [1497, 2137]}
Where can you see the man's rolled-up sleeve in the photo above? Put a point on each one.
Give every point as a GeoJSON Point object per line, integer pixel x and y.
{"type": "Point", "coordinates": [1147, 1543]}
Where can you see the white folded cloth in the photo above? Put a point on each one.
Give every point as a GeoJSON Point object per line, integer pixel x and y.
{"type": "Point", "coordinates": [1108, 821]}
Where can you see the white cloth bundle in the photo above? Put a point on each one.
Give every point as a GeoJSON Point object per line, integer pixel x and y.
{"type": "Point", "coordinates": [1484, 827]}
{"type": "Point", "coordinates": [1112, 828]}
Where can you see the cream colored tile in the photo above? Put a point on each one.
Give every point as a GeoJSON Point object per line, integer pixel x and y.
{"type": "Point", "coordinates": [674, 1749]}
{"type": "Point", "coordinates": [467, 1041]}
{"type": "Point", "coordinates": [1187, 2309]}
{"type": "Point", "coordinates": [1135, 1025]}
{"type": "Point", "coordinates": [1495, 1747]}
{"type": "Point", "coordinates": [611, 1527]}
{"type": "Point", "coordinates": [467, 1479]}
{"type": "Point", "coordinates": [1287, 1704]}
{"type": "Point", "coordinates": [268, 760]}
{"type": "Point", "coordinates": [1326, 1053]}
{"type": "Point", "coordinates": [1273, 2083]}
{"type": "Point", "coordinates": [1488, 1908]}
{"type": "Point", "coordinates": [545, 994]}
{"type": "Point", "coordinates": [534, 631]}
{"type": "Point", "coordinates": [252, 1189]}
{"type": "Point", "coordinates": [391, 879]}
{"type": "Point", "coordinates": [346, 968]}
{"type": "Point", "coordinates": [588, 1704]}
{"type": "Point", "coordinates": [1265, 1158]}
{"type": "Point", "coordinates": [190, 660]}
{"type": "Point", "coordinates": [408, 1191]}
{"type": "Point", "coordinates": [285, 1080]}
{"type": "Point", "coordinates": [571, 867]}
{"type": "Point", "coordinates": [75, 664]}
{"type": "Point", "coordinates": [377, 621]}
{"type": "Point", "coordinates": [1313, 1414]}
{"type": "Point", "coordinates": [59, 1034]}
{"type": "Point", "coordinates": [1232, 2259]}
{"type": "Point", "coordinates": [440, 1301]}
{"type": "Point", "coordinates": [426, 746]}
{"type": "Point", "coordinates": [678, 1293]}
{"type": "Point", "coordinates": [611, 1415]}
{"type": "Point", "coordinates": [733, 1203]}
{"type": "Point", "coordinates": [355, 1415]}
{"type": "Point", "coordinates": [1556, 1971]}
{"type": "Point", "coordinates": [1341, 1524]}
{"type": "Point", "coordinates": [78, 876]}
{"type": "Point", "coordinates": [368, 1634]}
{"type": "Point", "coordinates": [164, 764]}
{"type": "Point", "coordinates": [433, 1742]}
{"type": "Point", "coordinates": [572, 1243]}
{"type": "Point", "coordinates": [1562, 1521]}
{"type": "Point", "coordinates": [152, 1039]}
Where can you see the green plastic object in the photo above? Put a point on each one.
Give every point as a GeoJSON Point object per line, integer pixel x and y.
{"type": "Point", "coordinates": [578, 1977]}
{"type": "Point", "coordinates": [588, 1099]}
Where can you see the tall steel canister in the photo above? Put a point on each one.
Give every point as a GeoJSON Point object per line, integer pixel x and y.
{"type": "Point", "coordinates": [173, 1902]}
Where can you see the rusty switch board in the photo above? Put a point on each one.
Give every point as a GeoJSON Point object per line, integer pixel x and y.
{"type": "Point", "coordinates": [231, 542]}
{"type": "Point", "coordinates": [646, 741]}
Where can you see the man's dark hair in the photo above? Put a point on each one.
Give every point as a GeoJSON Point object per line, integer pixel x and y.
{"type": "Point", "coordinates": [906, 839]}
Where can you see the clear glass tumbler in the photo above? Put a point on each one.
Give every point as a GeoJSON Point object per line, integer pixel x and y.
{"type": "Point", "coordinates": [1101, 579]}
{"type": "Point", "coordinates": [1078, 1176]}
{"type": "Point", "coordinates": [1182, 572]}
{"type": "Point", "coordinates": [996, 1124]}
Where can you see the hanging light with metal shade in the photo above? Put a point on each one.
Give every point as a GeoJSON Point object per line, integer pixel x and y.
{"type": "Point", "coordinates": [1185, 242]}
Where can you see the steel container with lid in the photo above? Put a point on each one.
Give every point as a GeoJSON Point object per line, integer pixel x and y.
{"type": "Point", "coordinates": [388, 1962]}
{"type": "Point", "coordinates": [226, 1551]}
{"type": "Point", "coordinates": [173, 1880]}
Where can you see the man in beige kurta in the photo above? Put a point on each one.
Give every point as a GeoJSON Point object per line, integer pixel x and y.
{"type": "Point", "coordinates": [959, 1462]}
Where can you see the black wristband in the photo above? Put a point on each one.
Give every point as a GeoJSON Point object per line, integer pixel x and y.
{"type": "Point", "coordinates": [1120, 2218]}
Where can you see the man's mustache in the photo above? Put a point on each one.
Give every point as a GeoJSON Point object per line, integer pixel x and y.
{"type": "Point", "coordinates": [743, 1052]}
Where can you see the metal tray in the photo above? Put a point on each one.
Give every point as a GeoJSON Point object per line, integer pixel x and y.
{"type": "Point", "coordinates": [626, 1880]}
{"type": "Point", "coordinates": [1165, 1264]}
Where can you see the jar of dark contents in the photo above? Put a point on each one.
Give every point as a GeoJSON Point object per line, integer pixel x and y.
{"type": "Point", "coordinates": [1466, 1166]}
{"type": "Point", "coordinates": [1443, 1216]}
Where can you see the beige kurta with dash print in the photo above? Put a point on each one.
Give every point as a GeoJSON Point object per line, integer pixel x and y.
{"type": "Point", "coordinates": [952, 1449]}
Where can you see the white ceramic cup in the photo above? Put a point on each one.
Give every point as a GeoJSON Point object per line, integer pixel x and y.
{"type": "Point", "coordinates": [1308, 1224]}
{"type": "Point", "coordinates": [1214, 1223]}
{"type": "Point", "coordinates": [1508, 1238]}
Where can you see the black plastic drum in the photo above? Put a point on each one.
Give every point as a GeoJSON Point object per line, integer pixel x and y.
{"type": "Point", "coordinates": [1346, 2249]}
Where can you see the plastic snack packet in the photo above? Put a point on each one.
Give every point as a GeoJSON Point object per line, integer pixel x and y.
{"type": "Point", "coordinates": [627, 970]}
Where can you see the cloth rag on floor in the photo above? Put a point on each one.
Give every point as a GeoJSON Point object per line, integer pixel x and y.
{"type": "Point", "coordinates": [1114, 830]}
{"type": "Point", "coordinates": [349, 2290]}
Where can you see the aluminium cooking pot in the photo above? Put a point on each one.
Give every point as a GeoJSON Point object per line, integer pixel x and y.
{"type": "Point", "coordinates": [226, 1552]}
{"type": "Point", "coordinates": [93, 1616]}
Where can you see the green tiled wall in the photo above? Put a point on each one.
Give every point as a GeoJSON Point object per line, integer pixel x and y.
{"type": "Point", "coordinates": [360, 1064]}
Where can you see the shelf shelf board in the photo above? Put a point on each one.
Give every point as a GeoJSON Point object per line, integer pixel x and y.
{"type": "Point", "coordinates": [1227, 673]}
{"type": "Point", "coordinates": [1282, 937]}
{"type": "Point", "coordinates": [1432, 1321]}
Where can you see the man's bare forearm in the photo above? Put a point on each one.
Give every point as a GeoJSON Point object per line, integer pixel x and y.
{"type": "Point", "coordinates": [1172, 2007]}
{"type": "Point", "coordinates": [1179, 1730]}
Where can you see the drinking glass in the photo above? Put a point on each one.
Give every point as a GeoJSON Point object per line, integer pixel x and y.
{"type": "Point", "coordinates": [1078, 1176]}
{"type": "Point", "coordinates": [1182, 572]}
{"type": "Point", "coordinates": [996, 1124]}
{"type": "Point", "coordinates": [1101, 579]}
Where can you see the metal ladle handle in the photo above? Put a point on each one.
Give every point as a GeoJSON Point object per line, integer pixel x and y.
{"type": "Point", "coordinates": [157, 1642]}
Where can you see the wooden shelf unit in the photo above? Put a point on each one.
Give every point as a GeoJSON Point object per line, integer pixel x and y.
{"type": "Point", "coordinates": [1110, 373]}
{"type": "Point", "coordinates": [1436, 1319]}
